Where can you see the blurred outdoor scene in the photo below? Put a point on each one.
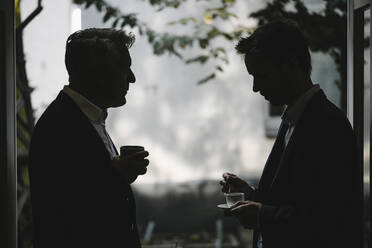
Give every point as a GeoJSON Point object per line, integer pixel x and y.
{"type": "Point", "coordinates": [192, 106]}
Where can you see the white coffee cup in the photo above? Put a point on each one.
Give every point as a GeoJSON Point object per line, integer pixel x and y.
{"type": "Point", "coordinates": [232, 198]}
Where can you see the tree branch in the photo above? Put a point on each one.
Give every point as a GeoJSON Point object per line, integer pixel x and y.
{"type": "Point", "coordinates": [34, 13]}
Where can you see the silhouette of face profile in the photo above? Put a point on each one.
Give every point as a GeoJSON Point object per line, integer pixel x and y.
{"type": "Point", "coordinates": [118, 78]}
{"type": "Point", "coordinates": [274, 82]}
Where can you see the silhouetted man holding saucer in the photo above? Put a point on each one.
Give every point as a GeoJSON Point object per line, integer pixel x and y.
{"type": "Point", "coordinates": [307, 195]}
{"type": "Point", "coordinates": [80, 186]}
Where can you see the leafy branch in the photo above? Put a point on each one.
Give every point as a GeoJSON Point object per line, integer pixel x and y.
{"type": "Point", "coordinates": [173, 44]}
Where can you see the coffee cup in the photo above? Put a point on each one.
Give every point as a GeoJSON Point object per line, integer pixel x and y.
{"type": "Point", "coordinates": [130, 149]}
{"type": "Point", "coordinates": [232, 198]}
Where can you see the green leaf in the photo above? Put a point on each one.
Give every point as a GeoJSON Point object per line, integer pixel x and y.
{"type": "Point", "coordinates": [213, 33]}
{"type": "Point", "coordinates": [185, 41]}
{"type": "Point", "coordinates": [106, 17]}
{"type": "Point", "coordinates": [150, 35]}
{"type": "Point", "coordinates": [182, 21]}
{"type": "Point", "coordinates": [201, 59]}
{"type": "Point", "coordinates": [207, 78]}
{"type": "Point", "coordinates": [223, 14]}
{"type": "Point", "coordinates": [115, 23]}
{"type": "Point", "coordinates": [78, 2]}
{"type": "Point", "coordinates": [98, 5]}
{"type": "Point", "coordinates": [203, 43]}
{"type": "Point", "coordinates": [227, 36]}
{"type": "Point", "coordinates": [88, 3]}
{"type": "Point", "coordinates": [177, 54]}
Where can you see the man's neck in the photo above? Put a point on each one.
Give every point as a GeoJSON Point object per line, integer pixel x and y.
{"type": "Point", "coordinates": [303, 87]}
{"type": "Point", "coordinates": [88, 95]}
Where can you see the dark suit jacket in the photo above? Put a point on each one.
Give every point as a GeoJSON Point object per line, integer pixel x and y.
{"type": "Point", "coordinates": [312, 199]}
{"type": "Point", "coordinates": [77, 199]}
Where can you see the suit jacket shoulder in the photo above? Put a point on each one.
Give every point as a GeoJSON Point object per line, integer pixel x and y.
{"type": "Point", "coordinates": [322, 116]}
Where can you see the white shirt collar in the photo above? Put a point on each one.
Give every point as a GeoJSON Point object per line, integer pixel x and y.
{"type": "Point", "coordinates": [94, 113]}
{"type": "Point", "coordinates": [292, 114]}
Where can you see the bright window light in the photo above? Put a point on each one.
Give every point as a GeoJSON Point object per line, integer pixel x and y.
{"type": "Point", "coordinates": [75, 19]}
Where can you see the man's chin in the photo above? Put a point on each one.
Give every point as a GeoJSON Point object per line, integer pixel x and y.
{"type": "Point", "coordinates": [275, 103]}
{"type": "Point", "coordinates": [119, 103]}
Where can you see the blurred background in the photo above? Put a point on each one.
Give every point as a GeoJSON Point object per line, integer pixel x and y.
{"type": "Point", "coordinates": [192, 106]}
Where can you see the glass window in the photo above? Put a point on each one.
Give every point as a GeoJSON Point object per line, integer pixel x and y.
{"type": "Point", "coordinates": [194, 132]}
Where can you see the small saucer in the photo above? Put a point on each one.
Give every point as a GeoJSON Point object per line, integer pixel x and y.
{"type": "Point", "coordinates": [224, 206]}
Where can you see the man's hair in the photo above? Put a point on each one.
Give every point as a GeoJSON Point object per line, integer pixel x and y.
{"type": "Point", "coordinates": [89, 52]}
{"type": "Point", "coordinates": [280, 41]}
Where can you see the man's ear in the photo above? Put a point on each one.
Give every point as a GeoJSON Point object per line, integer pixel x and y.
{"type": "Point", "coordinates": [289, 65]}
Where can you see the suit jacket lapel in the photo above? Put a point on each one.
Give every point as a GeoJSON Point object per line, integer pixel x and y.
{"type": "Point", "coordinates": [293, 142]}
{"type": "Point", "coordinates": [269, 167]}
{"type": "Point", "coordinates": [85, 125]}
{"type": "Point", "coordinates": [87, 130]}
{"type": "Point", "coordinates": [286, 154]}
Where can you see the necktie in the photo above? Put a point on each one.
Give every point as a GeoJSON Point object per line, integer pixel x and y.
{"type": "Point", "coordinates": [280, 139]}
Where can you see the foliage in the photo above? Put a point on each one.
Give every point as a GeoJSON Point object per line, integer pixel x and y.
{"type": "Point", "coordinates": [203, 35]}
{"type": "Point", "coordinates": [325, 30]}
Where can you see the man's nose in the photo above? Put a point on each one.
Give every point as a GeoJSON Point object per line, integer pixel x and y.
{"type": "Point", "coordinates": [131, 77]}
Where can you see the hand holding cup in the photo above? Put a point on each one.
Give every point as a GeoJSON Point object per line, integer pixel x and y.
{"type": "Point", "coordinates": [132, 162]}
{"type": "Point", "coordinates": [232, 183]}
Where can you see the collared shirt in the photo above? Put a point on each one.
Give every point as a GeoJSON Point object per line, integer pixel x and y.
{"type": "Point", "coordinates": [293, 113]}
{"type": "Point", "coordinates": [291, 116]}
{"type": "Point", "coordinates": [96, 116]}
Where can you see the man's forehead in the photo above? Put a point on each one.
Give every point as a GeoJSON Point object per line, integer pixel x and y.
{"type": "Point", "coordinates": [121, 55]}
{"type": "Point", "coordinates": [126, 57]}
{"type": "Point", "coordinates": [125, 52]}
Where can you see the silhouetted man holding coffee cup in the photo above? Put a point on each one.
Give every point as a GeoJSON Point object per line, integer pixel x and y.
{"type": "Point", "coordinates": [308, 195]}
{"type": "Point", "coordinates": [80, 186]}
